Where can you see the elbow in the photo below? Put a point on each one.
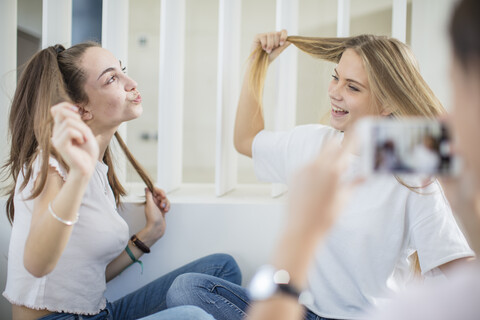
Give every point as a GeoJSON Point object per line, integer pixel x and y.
{"type": "Point", "coordinates": [36, 269]}
{"type": "Point", "coordinates": [243, 147]}
{"type": "Point", "coordinates": [237, 145]}
{"type": "Point", "coordinates": [36, 272]}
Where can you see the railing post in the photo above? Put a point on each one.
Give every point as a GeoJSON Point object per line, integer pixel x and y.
{"type": "Point", "coordinates": [286, 78]}
{"type": "Point", "coordinates": [8, 67]}
{"type": "Point", "coordinates": [399, 20]}
{"type": "Point", "coordinates": [57, 23]}
{"type": "Point", "coordinates": [227, 94]}
{"type": "Point", "coordinates": [343, 18]}
{"type": "Point", "coordinates": [171, 87]}
{"type": "Point", "coordinates": [115, 39]}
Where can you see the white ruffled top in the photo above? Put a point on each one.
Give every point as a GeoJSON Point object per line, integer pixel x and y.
{"type": "Point", "coordinates": [77, 284]}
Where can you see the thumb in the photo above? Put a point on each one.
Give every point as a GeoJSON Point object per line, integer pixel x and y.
{"type": "Point", "coordinates": [148, 196]}
{"type": "Point", "coordinates": [276, 52]}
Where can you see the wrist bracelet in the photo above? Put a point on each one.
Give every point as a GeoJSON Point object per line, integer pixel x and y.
{"type": "Point", "coordinates": [139, 244]}
{"type": "Point", "coordinates": [132, 257]}
{"type": "Point", "coordinates": [65, 222]}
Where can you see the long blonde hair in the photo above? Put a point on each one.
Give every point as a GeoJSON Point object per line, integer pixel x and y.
{"type": "Point", "coordinates": [52, 75]}
{"type": "Point", "coordinates": [392, 71]}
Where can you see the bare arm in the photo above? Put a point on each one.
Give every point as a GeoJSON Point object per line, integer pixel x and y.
{"type": "Point", "coordinates": [47, 236]}
{"type": "Point", "coordinates": [157, 205]}
{"type": "Point", "coordinates": [249, 120]}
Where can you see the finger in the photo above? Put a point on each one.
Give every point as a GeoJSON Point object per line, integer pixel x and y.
{"type": "Point", "coordinates": [276, 40]}
{"type": "Point", "coordinates": [67, 137]}
{"type": "Point", "coordinates": [160, 192]}
{"type": "Point", "coordinates": [74, 124]}
{"type": "Point", "coordinates": [148, 196]}
{"type": "Point", "coordinates": [283, 36]}
{"type": "Point", "coordinates": [61, 115]}
{"type": "Point", "coordinates": [270, 42]}
{"type": "Point", "coordinates": [262, 40]}
{"type": "Point", "coordinates": [64, 108]}
{"type": "Point", "coordinates": [163, 205]}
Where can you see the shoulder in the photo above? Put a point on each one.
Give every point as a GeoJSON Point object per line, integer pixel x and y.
{"type": "Point", "coordinates": [431, 195]}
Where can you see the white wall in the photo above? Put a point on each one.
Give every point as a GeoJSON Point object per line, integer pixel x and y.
{"type": "Point", "coordinates": [430, 44]}
{"type": "Point", "coordinates": [244, 224]}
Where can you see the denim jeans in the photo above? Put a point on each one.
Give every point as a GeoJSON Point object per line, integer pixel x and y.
{"type": "Point", "coordinates": [220, 298]}
{"type": "Point", "coordinates": [150, 300]}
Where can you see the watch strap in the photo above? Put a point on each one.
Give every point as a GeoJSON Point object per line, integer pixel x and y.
{"type": "Point", "coordinates": [289, 290]}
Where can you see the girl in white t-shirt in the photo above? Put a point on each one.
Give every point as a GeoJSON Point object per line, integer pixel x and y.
{"type": "Point", "coordinates": [67, 237]}
{"type": "Point", "coordinates": [386, 221]}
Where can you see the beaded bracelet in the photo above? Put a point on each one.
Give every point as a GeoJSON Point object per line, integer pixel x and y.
{"type": "Point", "coordinates": [132, 257]}
{"type": "Point", "coordinates": [65, 222]}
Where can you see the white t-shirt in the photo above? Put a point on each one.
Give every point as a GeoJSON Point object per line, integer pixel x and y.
{"type": "Point", "coordinates": [364, 257]}
{"type": "Point", "coordinates": [455, 298]}
{"type": "Point", "coordinates": [77, 284]}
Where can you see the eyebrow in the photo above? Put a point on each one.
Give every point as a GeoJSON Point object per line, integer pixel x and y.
{"type": "Point", "coordinates": [105, 71]}
{"type": "Point", "coordinates": [351, 80]}
{"type": "Point", "coordinates": [109, 69]}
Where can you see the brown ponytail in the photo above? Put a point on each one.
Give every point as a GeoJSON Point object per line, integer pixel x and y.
{"type": "Point", "coordinates": [51, 76]}
{"type": "Point", "coordinates": [118, 189]}
{"type": "Point", "coordinates": [30, 123]}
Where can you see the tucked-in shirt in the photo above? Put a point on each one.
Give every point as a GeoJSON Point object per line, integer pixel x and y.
{"type": "Point", "coordinates": [365, 255]}
{"type": "Point", "coordinates": [77, 283]}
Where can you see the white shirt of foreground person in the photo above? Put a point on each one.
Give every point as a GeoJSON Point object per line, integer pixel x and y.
{"type": "Point", "coordinates": [364, 257]}
{"type": "Point", "coordinates": [455, 298]}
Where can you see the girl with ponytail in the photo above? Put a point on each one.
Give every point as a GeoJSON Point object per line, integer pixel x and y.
{"type": "Point", "coordinates": [368, 251]}
{"type": "Point", "coordinates": [67, 237]}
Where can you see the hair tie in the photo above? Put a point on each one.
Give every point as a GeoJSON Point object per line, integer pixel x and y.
{"type": "Point", "coordinates": [59, 48]}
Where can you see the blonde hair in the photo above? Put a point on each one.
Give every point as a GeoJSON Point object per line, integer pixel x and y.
{"type": "Point", "coordinates": [392, 71]}
{"type": "Point", "coordinates": [52, 75]}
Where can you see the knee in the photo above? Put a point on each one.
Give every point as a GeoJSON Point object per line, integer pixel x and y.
{"type": "Point", "coordinates": [184, 289]}
{"type": "Point", "coordinates": [230, 270]}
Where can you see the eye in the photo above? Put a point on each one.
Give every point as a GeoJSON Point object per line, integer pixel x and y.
{"type": "Point", "coordinates": [112, 79]}
{"type": "Point", "coordinates": [124, 69]}
{"type": "Point", "coordinates": [334, 77]}
{"type": "Point", "coordinates": [353, 88]}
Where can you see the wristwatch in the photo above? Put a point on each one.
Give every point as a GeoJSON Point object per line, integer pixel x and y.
{"type": "Point", "coordinates": [268, 281]}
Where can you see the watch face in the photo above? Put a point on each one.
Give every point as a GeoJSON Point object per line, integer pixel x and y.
{"type": "Point", "coordinates": [262, 286]}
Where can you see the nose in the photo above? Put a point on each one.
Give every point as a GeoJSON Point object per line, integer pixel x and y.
{"type": "Point", "coordinates": [334, 90]}
{"type": "Point", "coordinates": [130, 84]}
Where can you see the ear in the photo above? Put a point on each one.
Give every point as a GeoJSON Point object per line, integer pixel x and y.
{"type": "Point", "coordinates": [84, 112]}
{"type": "Point", "coordinates": [386, 112]}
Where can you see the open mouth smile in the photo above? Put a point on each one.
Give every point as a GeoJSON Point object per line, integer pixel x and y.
{"type": "Point", "coordinates": [338, 111]}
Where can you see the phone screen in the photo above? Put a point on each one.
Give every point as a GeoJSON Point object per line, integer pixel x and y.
{"type": "Point", "coordinates": [407, 146]}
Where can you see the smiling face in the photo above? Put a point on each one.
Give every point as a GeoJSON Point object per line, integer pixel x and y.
{"type": "Point", "coordinates": [112, 95]}
{"type": "Point", "coordinates": [349, 92]}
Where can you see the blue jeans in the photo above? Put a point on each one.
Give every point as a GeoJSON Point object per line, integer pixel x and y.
{"type": "Point", "coordinates": [150, 300]}
{"type": "Point", "coordinates": [219, 297]}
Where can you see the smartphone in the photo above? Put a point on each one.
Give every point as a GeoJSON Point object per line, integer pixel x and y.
{"type": "Point", "coordinates": [406, 146]}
